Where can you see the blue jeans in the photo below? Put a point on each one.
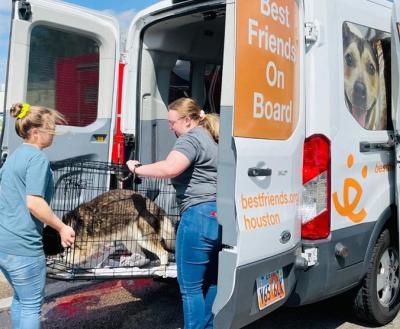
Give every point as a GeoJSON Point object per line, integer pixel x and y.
{"type": "Point", "coordinates": [27, 276]}
{"type": "Point", "coordinates": [198, 243]}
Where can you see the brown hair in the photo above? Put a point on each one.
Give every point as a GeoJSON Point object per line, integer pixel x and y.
{"type": "Point", "coordinates": [36, 117]}
{"type": "Point", "coordinates": [188, 108]}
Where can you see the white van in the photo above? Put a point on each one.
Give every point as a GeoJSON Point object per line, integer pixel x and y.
{"type": "Point", "coordinates": [307, 91]}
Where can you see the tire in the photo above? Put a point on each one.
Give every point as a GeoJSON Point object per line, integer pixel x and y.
{"type": "Point", "coordinates": [378, 299]}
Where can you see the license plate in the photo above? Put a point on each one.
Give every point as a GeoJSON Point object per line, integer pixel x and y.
{"type": "Point", "coordinates": [270, 288]}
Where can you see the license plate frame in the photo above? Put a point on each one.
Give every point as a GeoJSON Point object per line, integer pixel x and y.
{"type": "Point", "coordinates": [270, 288]}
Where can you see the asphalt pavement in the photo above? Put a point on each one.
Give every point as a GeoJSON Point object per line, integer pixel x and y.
{"type": "Point", "coordinates": [145, 304]}
{"type": "Point", "coordinates": [53, 288]}
{"type": "Point", "coordinates": [125, 304]}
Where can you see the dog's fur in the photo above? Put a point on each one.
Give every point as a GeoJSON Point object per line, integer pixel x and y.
{"type": "Point", "coordinates": [364, 76]}
{"type": "Point", "coordinates": [125, 216]}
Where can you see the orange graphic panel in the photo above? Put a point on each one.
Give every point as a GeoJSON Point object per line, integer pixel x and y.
{"type": "Point", "coordinates": [351, 187]}
{"type": "Point", "coordinates": [267, 68]}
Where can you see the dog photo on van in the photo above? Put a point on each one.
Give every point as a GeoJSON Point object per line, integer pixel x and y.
{"type": "Point", "coordinates": [366, 60]}
{"type": "Point", "coordinates": [117, 215]}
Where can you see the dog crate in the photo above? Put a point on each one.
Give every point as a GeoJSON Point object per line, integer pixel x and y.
{"type": "Point", "coordinates": [125, 227]}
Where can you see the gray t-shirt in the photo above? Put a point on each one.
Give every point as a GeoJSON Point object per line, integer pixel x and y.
{"type": "Point", "coordinates": [26, 172]}
{"type": "Point", "coordinates": [198, 183]}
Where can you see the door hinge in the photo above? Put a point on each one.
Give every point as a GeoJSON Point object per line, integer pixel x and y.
{"type": "Point", "coordinates": [24, 10]}
{"type": "Point", "coordinates": [395, 137]}
{"type": "Point", "coordinates": [311, 33]}
{"type": "Point", "coordinates": [123, 58]}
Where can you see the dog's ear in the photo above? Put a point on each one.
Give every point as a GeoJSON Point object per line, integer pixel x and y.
{"type": "Point", "coordinates": [347, 34]}
{"type": "Point", "coordinates": [380, 43]}
{"type": "Point", "coordinates": [380, 38]}
{"type": "Point", "coordinates": [378, 35]}
{"type": "Point", "coordinates": [374, 37]}
{"type": "Point", "coordinates": [371, 34]}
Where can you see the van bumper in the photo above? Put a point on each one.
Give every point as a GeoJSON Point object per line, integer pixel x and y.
{"type": "Point", "coordinates": [333, 274]}
{"type": "Point", "coordinates": [236, 304]}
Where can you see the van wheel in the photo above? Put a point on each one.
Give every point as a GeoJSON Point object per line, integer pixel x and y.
{"type": "Point", "coordinates": [377, 300]}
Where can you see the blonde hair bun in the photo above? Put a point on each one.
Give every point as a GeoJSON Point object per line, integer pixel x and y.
{"type": "Point", "coordinates": [16, 109]}
{"type": "Point", "coordinates": [34, 117]}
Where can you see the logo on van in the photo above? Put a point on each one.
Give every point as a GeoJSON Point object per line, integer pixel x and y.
{"type": "Point", "coordinates": [348, 207]}
{"type": "Point", "coordinates": [285, 237]}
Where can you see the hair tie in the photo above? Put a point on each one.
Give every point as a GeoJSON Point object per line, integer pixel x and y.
{"type": "Point", "coordinates": [202, 114]}
{"type": "Point", "coordinates": [24, 111]}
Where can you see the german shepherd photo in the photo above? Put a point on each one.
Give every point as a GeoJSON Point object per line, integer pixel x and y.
{"type": "Point", "coordinates": [366, 64]}
{"type": "Point", "coordinates": [117, 215]}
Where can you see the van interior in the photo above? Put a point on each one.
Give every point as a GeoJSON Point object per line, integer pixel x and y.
{"type": "Point", "coordinates": [180, 57]}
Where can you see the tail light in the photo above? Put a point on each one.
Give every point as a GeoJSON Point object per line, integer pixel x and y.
{"type": "Point", "coordinates": [315, 207]}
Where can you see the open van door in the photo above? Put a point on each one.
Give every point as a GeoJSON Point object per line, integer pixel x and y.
{"type": "Point", "coordinates": [260, 158]}
{"type": "Point", "coordinates": [395, 58]}
{"type": "Point", "coordinates": [64, 57]}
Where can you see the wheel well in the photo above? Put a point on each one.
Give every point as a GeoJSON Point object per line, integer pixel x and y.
{"type": "Point", "coordinates": [393, 226]}
{"type": "Point", "coordinates": [387, 220]}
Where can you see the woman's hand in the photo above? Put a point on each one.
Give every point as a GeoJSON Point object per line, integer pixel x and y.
{"type": "Point", "coordinates": [132, 164]}
{"type": "Point", "coordinates": [175, 164]}
{"type": "Point", "coordinates": [67, 236]}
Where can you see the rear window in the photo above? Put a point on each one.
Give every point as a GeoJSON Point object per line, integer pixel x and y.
{"type": "Point", "coordinates": [64, 74]}
{"type": "Point", "coordinates": [181, 80]}
{"type": "Point", "coordinates": [212, 86]}
{"type": "Point", "coordinates": [180, 84]}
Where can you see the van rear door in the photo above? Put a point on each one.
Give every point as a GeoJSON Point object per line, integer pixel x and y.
{"type": "Point", "coordinates": [395, 58]}
{"type": "Point", "coordinates": [64, 57]}
{"type": "Point", "coordinates": [260, 158]}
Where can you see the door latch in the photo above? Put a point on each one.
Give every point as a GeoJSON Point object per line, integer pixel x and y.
{"type": "Point", "coordinates": [376, 146]}
{"type": "Point", "coordinates": [259, 172]}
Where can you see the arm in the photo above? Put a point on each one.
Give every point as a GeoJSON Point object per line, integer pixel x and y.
{"type": "Point", "coordinates": [41, 210]}
{"type": "Point", "coordinates": [175, 164]}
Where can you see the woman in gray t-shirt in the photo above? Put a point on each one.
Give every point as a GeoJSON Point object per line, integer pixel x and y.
{"type": "Point", "coordinates": [192, 167]}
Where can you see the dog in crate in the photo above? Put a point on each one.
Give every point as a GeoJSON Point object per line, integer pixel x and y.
{"type": "Point", "coordinates": [118, 215]}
